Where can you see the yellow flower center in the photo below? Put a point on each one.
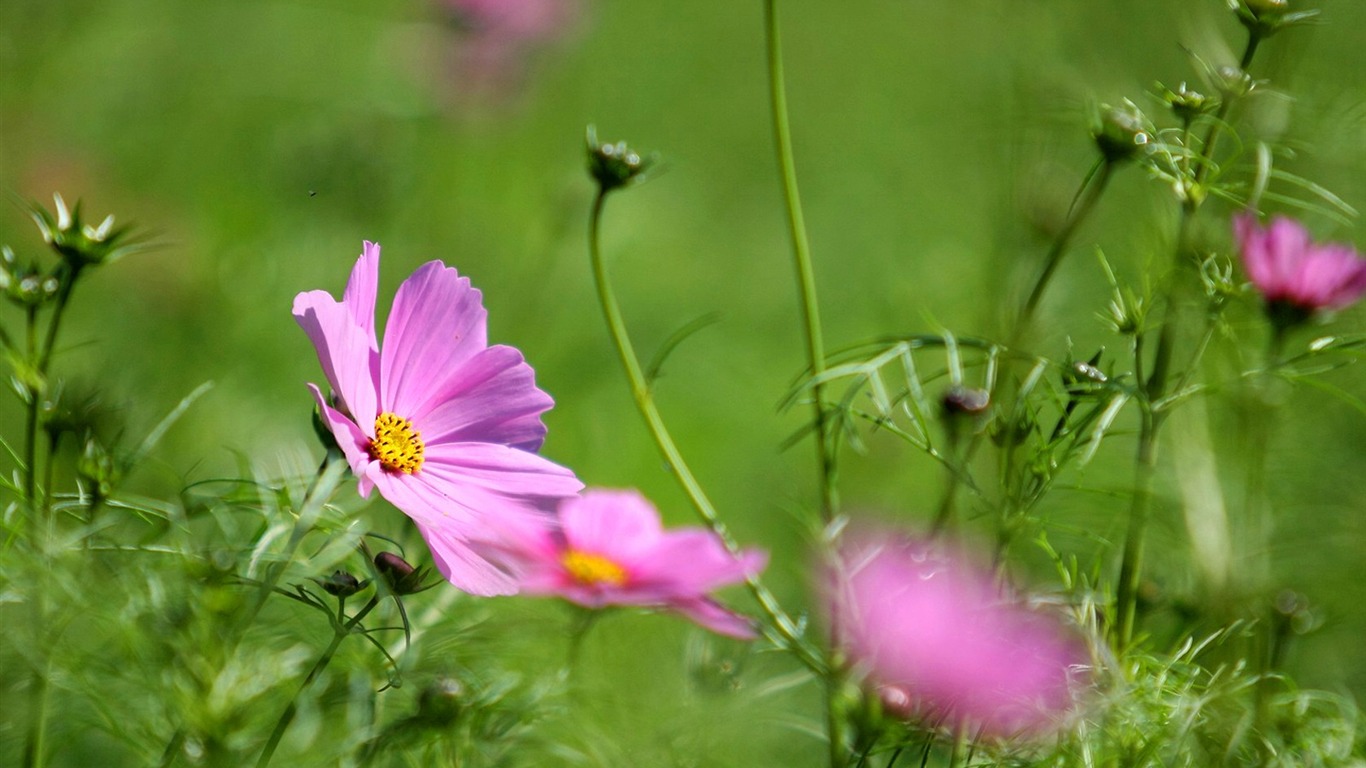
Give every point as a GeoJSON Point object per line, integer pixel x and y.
{"type": "Point", "coordinates": [592, 570]}
{"type": "Point", "coordinates": [397, 446]}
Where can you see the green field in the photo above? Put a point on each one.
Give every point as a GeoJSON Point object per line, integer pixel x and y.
{"type": "Point", "coordinates": [260, 142]}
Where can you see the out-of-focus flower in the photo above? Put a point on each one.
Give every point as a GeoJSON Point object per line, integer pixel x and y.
{"type": "Point", "coordinates": [1296, 276]}
{"type": "Point", "coordinates": [939, 641]}
{"type": "Point", "coordinates": [496, 36]}
{"type": "Point", "coordinates": [443, 424]}
{"type": "Point", "coordinates": [610, 549]}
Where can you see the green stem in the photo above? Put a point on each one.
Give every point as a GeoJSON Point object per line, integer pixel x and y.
{"type": "Point", "coordinates": [340, 633]}
{"type": "Point", "coordinates": [1091, 188]}
{"type": "Point", "coordinates": [1156, 385]}
{"type": "Point", "coordinates": [1131, 565]}
{"type": "Point", "coordinates": [35, 748]}
{"type": "Point", "coordinates": [31, 420]}
{"type": "Point", "coordinates": [777, 619]}
{"type": "Point", "coordinates": [801, 254]}
{"type": "Point", "coordinates": [811, 324]}
{"type": "Point", "coordinates": [1216, 127]}
{"type": "Point", "coordinates": [67, 282]}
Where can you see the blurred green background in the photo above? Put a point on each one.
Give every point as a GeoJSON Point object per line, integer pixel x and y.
{"type": "Point", "coordinates": [262, 141]}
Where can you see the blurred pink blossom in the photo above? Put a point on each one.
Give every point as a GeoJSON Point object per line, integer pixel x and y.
{"type": "Point", "coordinates": [939, 641]}
{"type": "Point", "coordinates": [443, 424]}
{"type": "Point", "coordinates": [495, 37]}
{"type": "Point", "coordinates": [610, 549]}
{"type": "Point", "coordinates": [1290, 269]}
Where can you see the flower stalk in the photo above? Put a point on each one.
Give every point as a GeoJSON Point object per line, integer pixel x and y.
{"type": "Point", "coordinates": [801, 255]}
{"type": "Point", "coordinates": [1092, 187]}
{"type": "Point", "coordinates": [1155, 386]}
{"type": "Point", "coordinates": [780, 625]}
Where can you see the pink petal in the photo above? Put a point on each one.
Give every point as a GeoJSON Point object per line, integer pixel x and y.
{"type": "Point", "coordinates": [713, 616]}
{"type": "Point", "coordinates": [344, 352]}
{"type": "Point", "coordinates": [1252, 247]}
{"type": "Point", "coordinates": [478, 568]}
{"type": "Point", "coordinates": [933, 628]}
{"type": "Point", "coordinates": [354, 443]}
{"type": "Point", "coordinates": [361, 289]}
{"type": "Point", "coordinates": [492, 398]}
{"type": "Point", "coordinates": [694, 562]}
{"type": "Point", "coordinates": [437, 324]}
{"type": "Point", "coordinates": [1286, 243]}
{"type": "Point", "coordinates": [505, 472]}
{"type": "Point", "coordinates": [480, 492]}
{"type": "Point", "coordinates": [621, 525]}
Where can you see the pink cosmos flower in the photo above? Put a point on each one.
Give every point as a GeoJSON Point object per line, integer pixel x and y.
{"type": "Point", "coordinates": [938, 640]}
{"type": "Point", "coordinates": [443, 424]}
{"type": "Point", "coordinates": [496, 36]}
{"type": "Point", "coordinates": [611, 550]}
{"type": "Point", "coordinates": [1291, 270]}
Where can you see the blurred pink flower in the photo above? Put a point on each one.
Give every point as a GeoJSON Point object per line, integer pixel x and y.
{"type": "Point", "coordinates": [496, 36]}
{"type": "Point", "coordinates": [938, 640]}
{"type": "Point", "coordinates": [611, 550]}
{"type": "Point", "coordinates": [1289, 269]}
{"type": "Point", "coordinates": [443, 424]}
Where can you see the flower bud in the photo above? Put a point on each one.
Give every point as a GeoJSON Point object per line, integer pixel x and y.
{"type": "Point", "coordinates": [77, 243]}
{"type": "Point", "coordinates": [98, 468]}
{"type": "Point", "coordinates": [966, 400]}
{"type": "Point", "coordinates": [1264, 18]}
{"type": "Point", "coordinates": [615, 165]}
{"type": "Point", "coordinates": [1081, 374]}
{"type": "Point", "coordinates": [399, 574]}
{"type": "Point", "coordinates": [25, 284]}
{"type": "Point", "coordinates": [1186, 103]}
{"type": "Point", "coordinates": [342, 584]}
{"type": "Point", "coordinates": [440, 702]}
{"type": "Point", "coordinates": [1233, 82]}
{"type": "Point", "coordinates": [1122, 131]}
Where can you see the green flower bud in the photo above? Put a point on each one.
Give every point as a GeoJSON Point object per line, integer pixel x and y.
{"type": "Point", "coordinates": [1264, 18]}
{"type": "Point", "coordinates": [77, 243]}
{"type": "Point", "coordinates": [615, 165]}
{"type": "Point", "coordinates": [25, 284]}
{"type": "Point", "coordinates": [99, 470]}
{"type": "Point", "coordinates": [1233, 82]}
{"type": "Point", "coordinates": [1121, 131]}
{"type": "Point", "coordinates": [1187, 104]}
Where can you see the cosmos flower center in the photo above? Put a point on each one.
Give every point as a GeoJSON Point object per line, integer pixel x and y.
{"type": "Point", "coordinates": [592, 570]}
{"type": "Point", "coordinates": [397, 446]}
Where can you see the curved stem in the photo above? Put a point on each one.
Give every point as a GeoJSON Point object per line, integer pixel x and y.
{"type": "Point", "coordinates": [801, 255]}
{"type": "Point", "coordinates": [777, 619]}
{"type": "Point", "coordinates": [1091, 188]}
